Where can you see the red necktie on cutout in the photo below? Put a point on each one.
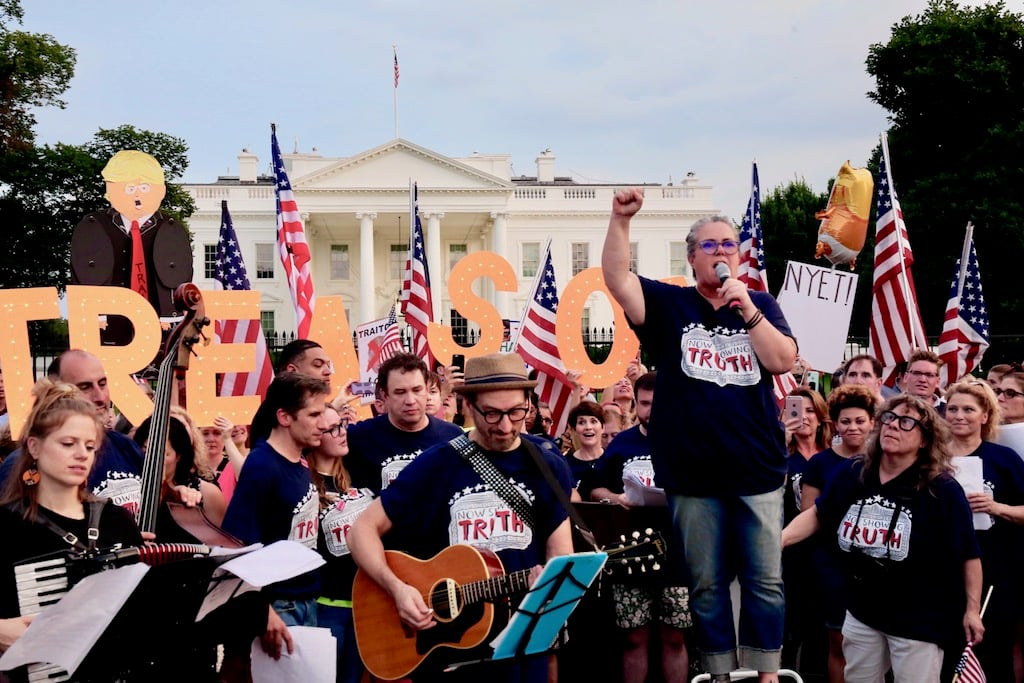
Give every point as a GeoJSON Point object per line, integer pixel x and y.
{"type": "Point", "coordinates": [138, 276]}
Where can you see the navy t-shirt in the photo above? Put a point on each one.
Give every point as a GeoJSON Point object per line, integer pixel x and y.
{"type": "Point", "coordinates": [902, 549]}
{"type": "Point", "coordinates": [378, 450]}
{"type": "Point", "coordinates": [275, 500]}
{"type": "Point", "coordinates": [714, 428]}
{"type": "Point", "coordinates": [335, 521]}
{"type": "Point", "coordinates": [628, 453]}
{"type": "Point", "coordinates": [439, 500]}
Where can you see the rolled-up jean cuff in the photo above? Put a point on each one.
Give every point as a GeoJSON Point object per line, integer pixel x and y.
{"type": "Point", "coordinates": [760, 660]}
{"type": "Point", "coordinates": [719, 662]}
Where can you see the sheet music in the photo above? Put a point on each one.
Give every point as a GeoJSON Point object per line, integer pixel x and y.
{"type": "Point", "coordinates": [642, 495]}
{"type": "Point", "coordinates": [254, 570]}
{"type": "Point", "coordinates": [306, 665]}
{"type": "Point", "coordinates": [64, 633]}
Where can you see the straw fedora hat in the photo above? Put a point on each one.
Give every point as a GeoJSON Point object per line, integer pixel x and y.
{"type": "Point", "coordinates": [495, 371]}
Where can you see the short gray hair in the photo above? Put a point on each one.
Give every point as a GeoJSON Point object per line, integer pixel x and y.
{"type": "Point", "coordinates": [691, 237]}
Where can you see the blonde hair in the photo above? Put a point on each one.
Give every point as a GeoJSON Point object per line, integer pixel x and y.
{"type": "Point", "coordinates": [55, 403]}
{"type": "Point", "coordinates": [982, 393]}
{"type": "Point", "coordinates": [131, 164]}
{"type": "Point", "coordinates": [337, 471]}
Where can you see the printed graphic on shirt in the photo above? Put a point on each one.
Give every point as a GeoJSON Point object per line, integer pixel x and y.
{"type": "Point", "coordinates": [305, 517]}
{"type": "Point", "coordinates": [984, 520]}
{"type": "Point", "coordinates": [868, 527]}
{"type": "Point", "coordinates": [339, 517]}
{"type": "Point", "coordinates": [482, 519]}
{"type": "Point", "coordinates": [639, 468]}
{"type": "Point", "coordinates": [392, 467]}
{"type": "Point", "coordinates": [722, 355]}
{"type": "Point", "coordinates": [798, 494]}
{"type": "Point", "coordinates": [122, 488]}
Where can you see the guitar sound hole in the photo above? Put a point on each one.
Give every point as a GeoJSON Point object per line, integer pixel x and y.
{"type": "Point", "coordinates": [446, 600]}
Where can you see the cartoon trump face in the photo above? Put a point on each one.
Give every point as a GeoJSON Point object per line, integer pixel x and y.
{"type": "Point", "coordinates": [135, 184]}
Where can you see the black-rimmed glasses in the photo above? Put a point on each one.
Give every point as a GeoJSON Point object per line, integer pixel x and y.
{"type": "Point", "coordinates": [337, 429]}
{"type": "Point", "coordinates": [1009, 393]}
{"type": "Point", "coordinates": [493, 417]}
{"type": "Point", "coordinates": [906, 423]}
{"type": "Point", "coordinates": [710, 247]}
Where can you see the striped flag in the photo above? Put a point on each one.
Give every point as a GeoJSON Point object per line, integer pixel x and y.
{"type": "Point", "coordinates": [417, 303]}
{"type": "Point", "coordinates": [896, 325]}
{"type": "Point", "coordinates": [390, 344]}
{"type": "Point", "coordinates": [964, 335]}
{"type": "Point", "coordinates": [537, 345]}
{"type": "Point", "coordinates": [291, 243]}
{"type": "Point", "coordinates": [395, 49]}
{"type": "Point", "coordinates": [231, 275]}
{"type": "Point", "coordinates": [751, 271]}
{"type": "Point", "coordinates": [968, 670]}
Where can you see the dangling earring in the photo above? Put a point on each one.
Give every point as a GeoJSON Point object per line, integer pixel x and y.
{"type": "Point", "coordinates": [30, 477]}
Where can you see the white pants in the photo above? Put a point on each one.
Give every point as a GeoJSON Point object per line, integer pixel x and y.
{"type": "Point", "coordinates": [870, 653]}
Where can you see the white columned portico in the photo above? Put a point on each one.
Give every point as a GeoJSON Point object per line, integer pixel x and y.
{"type": "Point", "coordinates": [499, 245]}
{"type": "Point", "coordinates": [434, 261]}
{"type": "Point", "coordinates": [367, 296]}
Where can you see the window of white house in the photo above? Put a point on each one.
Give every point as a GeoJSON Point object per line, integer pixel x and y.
{"type": "Point", "coordinates": [267, 323]}
{"type": "Point", "coordinates": [455, 254]}
{"type": "Point", "coordinates": [677, 258]}
{"type": "Point", "coordinates": [210, 261]}
{"type": "Point", "coordinates": [530, 260]}
{"type": "Point", "coordinates": [396, 267]}
{"type": "Point", "coordinates": [340, 262]}
{"type": "Point", "coordinates": [266, 253]}
{"type": "Point", "coordinates": [580, 257]}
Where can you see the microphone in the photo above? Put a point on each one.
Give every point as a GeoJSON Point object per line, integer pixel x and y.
{"type": "Point", "coordinates": [723, 273]}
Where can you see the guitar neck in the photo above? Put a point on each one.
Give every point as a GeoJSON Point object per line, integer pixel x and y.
{"type": "Point", "coordinates": [496, 587]}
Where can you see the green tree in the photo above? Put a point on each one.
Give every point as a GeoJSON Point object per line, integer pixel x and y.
{"type": "Point", "coordinates": [35, 70]}
{"type": "Point", "coordinates": [952, 80]}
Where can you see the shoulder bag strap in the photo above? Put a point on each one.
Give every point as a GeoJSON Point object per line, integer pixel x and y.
{"type": "Point", "coordinates": [471, 453]}
{"type": "Point", "coordinates": [549, 476]}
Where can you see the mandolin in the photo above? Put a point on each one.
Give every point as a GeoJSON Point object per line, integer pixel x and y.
{"type": "Point", "coordinates": [461, 584]}
{"type": "Point", "coordinates": [176, 355]}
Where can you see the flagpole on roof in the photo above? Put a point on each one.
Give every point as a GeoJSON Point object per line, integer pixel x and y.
{"type": "Point", "coordinates": [533, 291]}
{"type": "Point", "coordinates": [900, 227]}
{"type": "Point", "coordinates": [394, 50]}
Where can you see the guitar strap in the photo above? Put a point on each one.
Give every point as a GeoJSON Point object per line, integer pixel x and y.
{"type": "Point", "coordinates": [471, 453]}
{"type": "Point", "coordinates": [549, 476]}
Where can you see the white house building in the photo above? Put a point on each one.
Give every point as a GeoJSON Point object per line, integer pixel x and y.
{"type": "Point", "coordinates": [356, 215]}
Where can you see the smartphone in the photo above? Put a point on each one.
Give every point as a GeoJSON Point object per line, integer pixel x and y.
{"type": "Point", "coordinates": [459, 361]}
{"type": "Point", "coordinates": [794, 407]}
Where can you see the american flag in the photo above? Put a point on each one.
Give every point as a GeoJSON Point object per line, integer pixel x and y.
{"type": "Point", "coordinates": [395, 49]}
{"type": "Point", "coordinates": [231, 275]}
{"type": "Point", "coordinates": [417, 304]}
{"type": "Point", "coordinates": [964, 335]}
{"type": "Point", "coordinates": [751, 271]}
{"type": "Point", "coordinates": [968, 670]}
{"type": "Point", "coordinates": [896, 325]}
{"type": "Point", "coordinates": [291, 243]}
{"type": "Point", "coordinates": [389, 345]}
{"type": "Point", "coordinates": [538, 347]}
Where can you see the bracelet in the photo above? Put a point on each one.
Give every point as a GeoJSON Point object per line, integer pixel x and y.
{"type": "Point", "coordinates": [754, 320]}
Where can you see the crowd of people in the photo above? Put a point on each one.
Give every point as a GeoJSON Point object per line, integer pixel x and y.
{"type": "Point", "coordinates": [863, 529]}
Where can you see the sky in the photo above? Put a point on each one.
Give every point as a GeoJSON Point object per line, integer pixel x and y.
{"type": "Point", "coordinates": [637, 92]}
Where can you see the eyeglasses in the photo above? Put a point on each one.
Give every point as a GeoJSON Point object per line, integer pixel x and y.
{"type": "Point", "coordinates": [337, 429]}
{"type": "Point", "coordinates": [493, 417]}
{"type": "Point", "coordinates": [905, 422]}
{"type": "Point", "coordinates": [546, 420]}
{"type": "Point", "coordinates": [710, 247]}
{"type": "Point", "coordinates": [1009, 393]}
{"type": "Point", "coordinates": [922, 375]}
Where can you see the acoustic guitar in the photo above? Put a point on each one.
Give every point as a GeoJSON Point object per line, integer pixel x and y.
{"type": "Point", "coordinates": [461, 584]}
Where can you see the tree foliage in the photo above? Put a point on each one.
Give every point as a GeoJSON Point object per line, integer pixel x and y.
{"type": "Point", "coordinates": [35, 70]}
{"type": "Point", "coordinates": [952, 80]}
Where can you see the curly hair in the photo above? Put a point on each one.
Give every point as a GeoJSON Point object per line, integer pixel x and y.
{"type": "Point", "coordinates": [933, 458]}
{"type": "Point", "coordinates": [851, 396]}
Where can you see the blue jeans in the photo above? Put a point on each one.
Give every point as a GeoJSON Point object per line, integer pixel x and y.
{"type": "Point", "coordinates": [296, 612]}
{"type": "Point", "coordinates": [726, 538]}
{"type": "Point", "coordinates": [339, 620]}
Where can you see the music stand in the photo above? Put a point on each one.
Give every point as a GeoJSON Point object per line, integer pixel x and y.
{"type": "Point", "coordinates": [537, 620]}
